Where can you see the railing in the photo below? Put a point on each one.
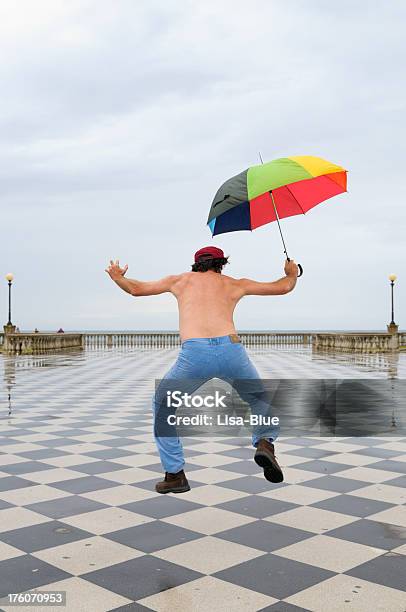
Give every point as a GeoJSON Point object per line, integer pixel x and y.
{"type": "Point", "coordinates": [259, 339]}
{"type": "Point", "coordinates": [356, 342]}
{"type": "Point", "coordinates": [33, 343]}
{"type": "Point", "coordinates": [151, 340]}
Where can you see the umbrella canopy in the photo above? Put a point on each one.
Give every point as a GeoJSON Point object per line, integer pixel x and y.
{"type": "Point", "coordinates": [292, 185]}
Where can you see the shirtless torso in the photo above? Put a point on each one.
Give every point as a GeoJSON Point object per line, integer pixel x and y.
{"type": "Point", "coordinates": [206, 300]}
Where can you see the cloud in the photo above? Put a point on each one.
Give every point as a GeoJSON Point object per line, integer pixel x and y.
{"type": "Point", "coordinates": [120, 120]}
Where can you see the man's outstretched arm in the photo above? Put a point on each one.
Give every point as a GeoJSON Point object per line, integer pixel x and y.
{"type": "Point", "coordinates": [279, 287]}
{"type": "Point", "coordinates": [136, 287]}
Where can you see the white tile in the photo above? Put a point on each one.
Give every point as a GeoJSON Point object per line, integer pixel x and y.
{"type": "Point", "coordinates": [32, 495]}
{"type": "Point", "coordinates": [106, 520]}
{"type": "Point", "coordinates": [208, 520]}
{"type": "Point", "coordinates": [393, 516]}
{"type": "Point", "coordinates": [212, 460]}
{"type": "Point", "coordinates": [118, 496]}
{"type": "Point", "coordinates": [367, 474]}
{"type": "Point", "coordinates": [130, 475]}
{"type": "Point", "coordinates": [82, 595]}
{"type": "Point", "coordinates": [297, 494]}
{"type": "Point", "coordinates": [213, 475]}
{"type": "Point", "coordinates": [207, 593]}
{"type": "Point", "coordinates": [311, 519]}
{"type": "Point", "coordinates": [52, 475]}
{"type": "Point", "coordinates": [382, 492]}
{"type": "Point", "coordinates": [342, 592]}
{"type": "Point", "coordinates": [211, 495]}
{"type": "Point", "coordinates": [67, 461]}
{"type": "Point", "coordinates": [329, 553]}
{"type": "Point", "coordinates": [352, 459]}
{"type": "Point", "coordinates": [17, 518]}
{"type": "Point", "coordinates": [208, 554]}
{"type": "Point", "coordinates": [9, 552]}
{"type": "Point", "coordinates": [87, 555]}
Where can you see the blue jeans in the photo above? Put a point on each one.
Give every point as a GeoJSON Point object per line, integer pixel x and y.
{"type": "Point", "coordinates": [203, 359]}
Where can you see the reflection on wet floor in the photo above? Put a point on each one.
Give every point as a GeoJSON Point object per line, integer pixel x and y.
{"type": "Point", "coordinates": [79, 513]}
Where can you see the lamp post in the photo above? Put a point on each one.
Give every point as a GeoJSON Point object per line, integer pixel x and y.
{"type": "Point", "coordinates": [392, 327]}
{"type": "Point", "coordinates": [9, 328]}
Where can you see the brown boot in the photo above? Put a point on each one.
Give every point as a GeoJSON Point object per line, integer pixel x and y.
{"type": "Point", "coordinates": [173, 483]}
{"type": "Point", "coordinates": [265, 458]}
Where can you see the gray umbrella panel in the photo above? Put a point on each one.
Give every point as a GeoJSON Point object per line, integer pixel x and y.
{"type": "Point", "coordinates": [231, 193]}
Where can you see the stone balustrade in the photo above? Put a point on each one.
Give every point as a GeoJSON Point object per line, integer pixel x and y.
{"type": "Point", "coordinates": [350, 342]}
{"type": "Point", "coordinates": [356, 342]}
{"type": "Point", "coordinates": [151, 340]}
{"type": "Point", "coordinates": [33, 343]}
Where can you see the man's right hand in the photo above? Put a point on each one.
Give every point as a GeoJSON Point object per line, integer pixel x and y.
{"type": "Point", "coordinates": [114, 270]}
{"type": "Point", "coordinates": [291, 268]}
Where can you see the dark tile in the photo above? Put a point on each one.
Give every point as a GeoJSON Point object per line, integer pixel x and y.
{"type": "Point", "coordinates": [132, 607]}
{"type": "Point", "coordinates": [84, 485]}
{"type": "Point", "coordinates": [376, 452]}
{"type": "Point", "coordinates": [324, 467]}
{"type": "Point", "coordinates": [14, 482]}
{"type": "Point", "coordinates": [282, 606]}
{"type": "Point", "coordinates": [109, 453]}
{"type": "Point", "coordinates": [114, 442]}
{"type": "Point", "coordinates": [264, 535]}
{"type": "Point", "coordinates": [66, 506]}
{"type": "Point", "coordinates": [363, 441]}
{"type": "Point", "coordinates": [303, 441]}
{"type": "Point", "coordinates": [248, 484]}
{"type": "Point", "coordinates": [149, 485]}
{"type": "Point", "coordinates": [26, 467]}
{"type": "Point", "coordinates": [9, 442]}
{"type": "Point", "coordinates": [274, 576]}
{"type": "Point", "coordinates": [189, 452]}
{"type": "Point", "coordinates": [141, 577]}
{"type": "Point", "coordinates": [256, 506]}
{"type": "Point", "coordinates": [157, 467]}
{"type": "Point", "coordinates": [60, 441]}
{"type": "Point", "coordinates": [4, 505]}
{"type": "Point", "coordinates": [158, 508]}
{"type": "Point", "coordinates": [45, 535]}
{"type": "Point", "coordinates": [350, 504]}
{"type": "Point", "coordinates": [46, 453]}
{"type": "Point", "coordinates": [389, 465]}
{"type": "Point", "coordinates": [242, 467]}
{"type": "Point", "coordinates": [239, 453]}
{"type": "Point", "coordinates": [388, 569]}
{"type": "Point", "coordinates": [25, 572]}
{"type": "Point", "coordinates": [314, 453]}
{"type": "Point", "coordinates": [397, 482]}
{"type": "Point", "coordinates": [335, 483]}
{"type": "Point", "coordinates": [371, 533]}
{"type": "Point", "coordinates": [153, 536]}
{"type": "Point", "coordinates": [98, 467]}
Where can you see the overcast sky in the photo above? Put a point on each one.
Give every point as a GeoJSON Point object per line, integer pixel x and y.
{"type": "Point", "coordinates": [120, 119]}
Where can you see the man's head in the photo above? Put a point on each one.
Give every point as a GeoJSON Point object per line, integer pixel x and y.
{"type": "Point", "coordinates": [209, 258]}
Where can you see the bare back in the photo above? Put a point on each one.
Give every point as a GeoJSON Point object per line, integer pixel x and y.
{"type": "Point", "coordinates": [206, 302]}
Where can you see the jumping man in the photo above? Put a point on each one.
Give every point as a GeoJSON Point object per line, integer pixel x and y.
{"type": "Point", "coordinates": [211, 347]}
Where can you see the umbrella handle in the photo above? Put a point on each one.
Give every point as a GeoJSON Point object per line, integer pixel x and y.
{"type": "Point", "coordinates": [299, 266]}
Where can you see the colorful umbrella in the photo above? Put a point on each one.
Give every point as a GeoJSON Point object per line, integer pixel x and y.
{"type": "Point", "coordinates": [268, 192]}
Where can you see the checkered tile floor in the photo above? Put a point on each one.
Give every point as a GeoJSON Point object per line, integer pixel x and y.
{"type": "Point", "coordinates": [78, 511]}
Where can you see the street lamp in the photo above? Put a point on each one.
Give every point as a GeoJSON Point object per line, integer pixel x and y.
{"type": "Point", "coordinates": [392, 327]}
{"type": "Point", "coordinates": [9, 277]}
